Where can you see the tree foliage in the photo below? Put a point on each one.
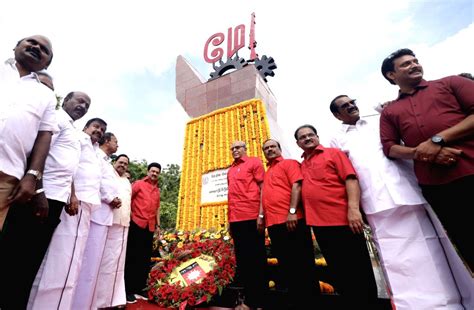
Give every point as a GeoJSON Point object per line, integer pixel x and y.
{"type": "Point", "coordinates": [169, 189]}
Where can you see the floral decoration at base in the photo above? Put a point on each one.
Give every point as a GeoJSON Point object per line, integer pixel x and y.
{"type": "Point", "coordinates": [192, 273]}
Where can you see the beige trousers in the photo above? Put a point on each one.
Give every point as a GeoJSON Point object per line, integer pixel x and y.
{"type": "Point", "coordinates": [7, 183]}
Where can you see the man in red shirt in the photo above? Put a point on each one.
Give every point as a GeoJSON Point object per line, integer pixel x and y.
{"type": "Point", "coordinates": [284, 219]}
{"type": "Point", "coordinates": [244, 179]}
{"type": "Point", "coordinates": [145, 220]}
{"type": "Point", "coordinates": [435, 121]}
{"type": "Point", "coordinates": [331, 199]}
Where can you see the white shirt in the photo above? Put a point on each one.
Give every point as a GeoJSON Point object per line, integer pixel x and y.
{"type": "Point", "coordinates": [122, 214]}
{"type": "Point", "coordinates": [26, 107]}
{"type": "Point", "coordinates": [385, 183]}
{"type": "Point", "coordinates": [88, 173]}
{"type": "Point", "coordinates": [108, 191]}
{"type": "Point", "coordinates": [62, 160]}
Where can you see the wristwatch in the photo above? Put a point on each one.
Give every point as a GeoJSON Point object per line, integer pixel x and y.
{"type": "Point", "coordinates": [261, 216]}
{"type": "Point", "coordinates": [292, 210]}
{"type": "Point", "coordinates": [437, 140]}
{"type": "Point", "coordinates": [36, 173]}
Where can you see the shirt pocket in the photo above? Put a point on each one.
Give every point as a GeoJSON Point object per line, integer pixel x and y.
{"type": "Point", "coordinates": [317, 172]}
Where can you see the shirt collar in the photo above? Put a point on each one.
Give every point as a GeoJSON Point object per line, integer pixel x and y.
{"type": "Point", "coordinates": [318, 149]}
{"type": "Point", "coordinates": [12, 63]}
{"type": "Point", "coordinates": [422, 84]}
{"type": "Point", "coordinates": [66, 116]}
{"type": "Point", "coordinates": [345, 127]}
{"type": "Point", "coordinates": [103, 154]}
{"type": "Point", "coordinates": [274, 161]}
{"type": "Point", "coordinates": [148, 180]}
{"type": "Point", "coordinates": [241, 159]}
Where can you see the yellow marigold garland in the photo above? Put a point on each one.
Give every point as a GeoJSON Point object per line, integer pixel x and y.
{"type": "Point", "coordinates": [206, 149]}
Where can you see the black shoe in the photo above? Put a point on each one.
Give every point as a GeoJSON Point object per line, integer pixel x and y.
{"type": "Point", "coordinates": [131, 299]}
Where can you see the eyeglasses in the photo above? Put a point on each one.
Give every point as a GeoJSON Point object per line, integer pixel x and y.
{"type": "Point", "coordinates": [237, 147]}
{"type": "Point", "coordinates": [345, 105]}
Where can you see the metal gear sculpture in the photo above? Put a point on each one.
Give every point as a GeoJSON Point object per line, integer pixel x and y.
{"type": "Point", "coordinates": [265, 66]}
{"type": "Point", "coordinates": [235, 62]}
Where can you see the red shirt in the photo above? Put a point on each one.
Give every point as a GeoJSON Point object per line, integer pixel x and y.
{"type": "Point", "coordinates": [145, 203]}
{"type": "Point", "coordinates": [276, 193]}
{"type": "Point", "coordinates": [324, 194]}
{"type": "Point", "coordinates": [434, 107]}
{"type": "Point", "coordinates": [243, 196]}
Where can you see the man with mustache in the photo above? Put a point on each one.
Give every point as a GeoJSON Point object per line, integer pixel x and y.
{"type": "Point", "coordinates": [60, 165]}
{"type": "Point", "coordinates": [394, 206]}
{"type": "Point", "coordinates": [27, 122]}
{"type": "Point", "coordinates": [284, 219]}
{"type": "Point", "coordinates": [145, 221]}
{"type": "Point", "coordinates": [110, 290]}
{"type": "Point", "coordinates": [246, 223]}
{"type": "Point", "coordinates": [331, 200]}
{"type": "Point", "coordinates": [57, 278]}
{"type": "Point", "coordinates": [435, 121]}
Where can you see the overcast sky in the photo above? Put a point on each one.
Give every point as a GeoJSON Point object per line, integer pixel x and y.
{"type": "Point", "coordinates": [123, 54]}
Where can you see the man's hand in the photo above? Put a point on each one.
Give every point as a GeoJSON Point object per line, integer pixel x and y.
{"type": "Point", "coordinates": [157, 231]}
{"type": "Point", "coordinates": [116, 203]}
{"type": "Point", "coordinates": [40, 207]}
{"type": "Point", "coordinates": [447, 156]}
{"type": "Point", "coordinates": [73, 207]}
{"type": "Point", "coordinates": [260, 225]}
{"type": "Point", "coordinates": [355, 220]}
{"type": "Point", "coordinates": [427, 151]}
{"type": "Point", "coordinates": [291, 222]}
{"type": "Point", "coordinates": [23, 191]}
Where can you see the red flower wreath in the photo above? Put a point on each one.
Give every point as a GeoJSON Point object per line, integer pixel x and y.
{"type": "Point", "coordinates": [175, 295]}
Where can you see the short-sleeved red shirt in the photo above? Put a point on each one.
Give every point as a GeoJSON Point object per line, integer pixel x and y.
{"type": "Point", "coordinates": [324, 194]}
{"type": "Point", "coordinates": [243, 178]}
{"type": "Point", "coordinates": [145, 203]}
{"type": "Point", "coordinates": [276, 193]}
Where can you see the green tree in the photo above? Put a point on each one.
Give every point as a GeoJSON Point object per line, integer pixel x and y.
{"type": "Point", "coordinates": [169, 187]}
{"type": "Point", "coordinates": [138, 169]}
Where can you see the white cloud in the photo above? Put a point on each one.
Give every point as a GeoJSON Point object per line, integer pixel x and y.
{"type": "Point", "coordinates": [321, 49]}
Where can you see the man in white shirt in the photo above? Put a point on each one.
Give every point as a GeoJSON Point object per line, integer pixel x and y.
{"type": "Point", "coordinates": [55, 190]}
{"type": "Point", "coordinates": [27, 122]}
{"type": "Point", "coordinates": [110, 289]}
{"type": "Point", "coordinates": [406, 240]}
{"type": "Point", "coordinates": [57, 278]}
{"type": "Point", "coordinates": [101, 219]}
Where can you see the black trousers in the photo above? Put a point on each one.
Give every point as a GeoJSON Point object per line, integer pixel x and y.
{"type": "Point", "coordinates": [137, 259]}
{"type": "Point", "coordinates": [453, 204]}
{"type": "Point", "coordinates": [349, 265]}
{"type": "Point", "coordinates": [249, 246]}
{"type": "Point", "coordinates": [25, 242]}
{"type": "Point", "coordinates": [295, 253]}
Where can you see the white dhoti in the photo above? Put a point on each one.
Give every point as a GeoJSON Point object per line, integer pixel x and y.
{"type": "Point", "coordinates": [462, 275]}
{"type": "Point", "coordinates": [86, 284]}
{"type": "Point", "coordinates": [57, 277]}
{"type": "Point", "coordinates": [110, 289]}
{"type": "Point", "coordinates": [413, 259]}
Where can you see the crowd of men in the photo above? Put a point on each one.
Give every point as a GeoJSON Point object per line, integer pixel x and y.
{"type": "Point", "coordinates": [75, 234]}
{"type": "Point", "coordinates": [72, 227]}
{"type": "Point", "coordinates": [390, 171]}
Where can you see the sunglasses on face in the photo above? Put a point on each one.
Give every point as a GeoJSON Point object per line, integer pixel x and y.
{"type": "Point", "coordinates": [345, 105]}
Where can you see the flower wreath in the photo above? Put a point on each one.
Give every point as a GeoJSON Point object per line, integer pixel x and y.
{"type": "Point", "coordinates": [171, 285]}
